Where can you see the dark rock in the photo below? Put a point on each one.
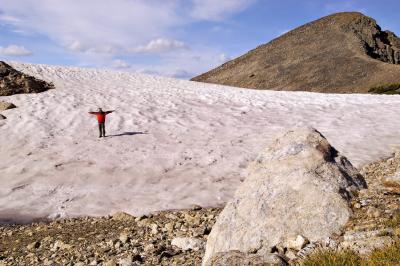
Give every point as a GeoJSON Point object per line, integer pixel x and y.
{"type": "Point", "coordinates": [13, 82]}
{"type": "Point", "coordinates": [5, 106]}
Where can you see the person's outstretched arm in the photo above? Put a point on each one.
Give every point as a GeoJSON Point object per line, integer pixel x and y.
{"type": "Point", "coordinates": [109, 112]}
{"type": "Point", "coordinates": [92, 113]}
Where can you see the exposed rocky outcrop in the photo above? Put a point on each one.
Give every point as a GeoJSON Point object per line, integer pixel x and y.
{"type": "Point", "coordinates": [298, 190]}
{"type": "Point", "coordinates": [13, 82]}
{"type": "Point", "coordinates": [343, 52]}
{"type": "Point", "coordinates": [381, 45]}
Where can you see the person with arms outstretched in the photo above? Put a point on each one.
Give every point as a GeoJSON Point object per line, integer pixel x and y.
{"type": "Point", "coordinates": [101, 118]}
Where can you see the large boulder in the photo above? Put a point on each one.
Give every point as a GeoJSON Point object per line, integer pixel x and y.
{"type": "Point", "coordinates": [299, 186]}
{"type": "Point", "coordinates": [14, 82]}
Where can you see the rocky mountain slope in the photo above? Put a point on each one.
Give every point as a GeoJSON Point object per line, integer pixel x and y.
{"type": "Point", "coordinates": [343, 52]}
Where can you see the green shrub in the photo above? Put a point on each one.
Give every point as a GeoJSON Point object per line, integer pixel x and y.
{"type": "Point", "coordinates": [393, 88]}
{"type": "Point", "coordinates": [332, 258]}
{"type": "Point", "coordinates": [389, 256]}
{"type": "Point", "coordinates": [394, 221]}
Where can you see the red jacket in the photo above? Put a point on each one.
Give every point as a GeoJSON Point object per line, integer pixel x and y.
{"type": "Point", "coordinates": [101, 116]}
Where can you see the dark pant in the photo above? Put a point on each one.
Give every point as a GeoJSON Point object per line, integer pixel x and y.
{"type": "Point", "coordinates": [102, 130]}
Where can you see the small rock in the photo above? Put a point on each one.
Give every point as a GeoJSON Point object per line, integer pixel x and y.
{"type": "Point", "coordinates": [122, 216]}
{"type": "Point", "coordinates": [93, 263]}
{"type": "Point", "coordinates": [5, 106]}
{"type": "Point", "coordinates": [140, 218]}
{"type": "Point", "coordinates": [357, 205]}
{"type": "Point", "coordinates": [110, 263]}
{"type": "Point", "coordinates": [125, 261]}
{"type": "Point", "coordinates": [297, 243]}
{"type": "Point", "coordinates": [154, 229]}
{"type": "Point", "coordinates": [33, 245]}
{"type": "Point", "coordinates": [149, 248]}
{"type": "Point", "coordinates": [196, 207]}
{"type": "Point", "coordinates": [169, 227]}
{"type": "Point", "coordinates": [365, 202]}
{"type": "Point", "coordinates": [330, 243]}
{"type": "Point", "coordinates": [290, 255]}
{"type": "Point", "coordinates": [124, 237]}
{"type": "Point", "coordinates": [188, 243]}
{"type": "Point", "coordinates": [48, 262]}
{"type": "Point", "coordinates": [60, 245]}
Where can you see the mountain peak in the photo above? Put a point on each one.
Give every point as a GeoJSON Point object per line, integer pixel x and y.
{"type": "Point", "coordinates": [342, 52]}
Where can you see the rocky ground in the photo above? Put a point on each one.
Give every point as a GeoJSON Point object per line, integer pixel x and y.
{"type": "Point", "coordinates": [376, 221]}
{"type": "Point", "coordinates": [120, 239]}
{"type": "Point", "coordinates": [178, 237]}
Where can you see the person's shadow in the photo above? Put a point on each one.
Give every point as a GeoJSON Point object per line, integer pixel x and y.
{"type": "Point", "coordinates": [129, 133]}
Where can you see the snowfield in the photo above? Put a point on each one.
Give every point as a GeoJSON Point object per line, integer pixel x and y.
{"type": "Point", "coordinates": [172, 143]}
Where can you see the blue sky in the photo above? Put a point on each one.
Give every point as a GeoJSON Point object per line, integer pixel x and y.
{"type": "Point", "coordinates": [177, 38]}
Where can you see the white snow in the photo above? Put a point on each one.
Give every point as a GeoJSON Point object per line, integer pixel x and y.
{"type": "Point", "coordinates": [197, 140]}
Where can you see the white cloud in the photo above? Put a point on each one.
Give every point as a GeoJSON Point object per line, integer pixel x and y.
{"type": "Point", "coordinates": [77, 46]}
{"type": "Point", "coordinates": [92, 25]}
{"type": "Point", "coordinates": [223, 58]}
{"type": "Point", "coordinates": [100, 27]}
{"type": "Point", "coordinates": [160, 45]}
{"type": "Point", "coordinates": [14, 50]}
{"type": "Point", "coordinates": [186, 64]}
{"type": "Point", "coordinates": [120, 64]}
{"type": "Point", "coordinates": [99, 32]}
{"type": "Point", "coordinates": [218, 10]}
